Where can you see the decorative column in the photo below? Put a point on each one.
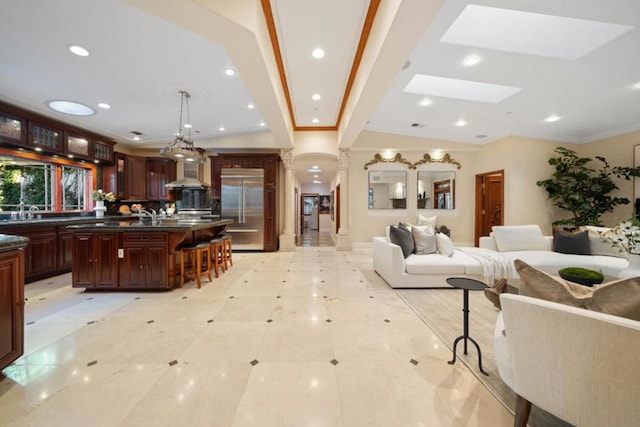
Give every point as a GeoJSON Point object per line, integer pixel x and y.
{"type": "Point", "coordinates": [343, 242]}
{"type": "Point", "coordinates": [288, 237]}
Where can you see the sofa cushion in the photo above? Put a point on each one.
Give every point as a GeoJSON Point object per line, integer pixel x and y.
{"type": "Point", "coordinates": [619, 297]}
{"type": "Point", "coordinates": [402, 238]}
{"type": "Point", "coordinates": [424, 238]}
{"type": "Point", "coordinates": [550, 262]}
{"type": "Point", "coordinates": [436, 264]}
{"type": "Point", "coordinates": [519, 238]}
{"type": "Point", "coordinates": [444, 245]}
{"type": "Point", "coordinates": [571, 243]}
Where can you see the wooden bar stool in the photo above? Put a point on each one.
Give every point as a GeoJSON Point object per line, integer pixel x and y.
{"type": "Point", "coordinates": [228, 248]}
{"type": "Point", "coordinates": [218, 254]}
{"type": "Point", "coordinates": [197, 250]}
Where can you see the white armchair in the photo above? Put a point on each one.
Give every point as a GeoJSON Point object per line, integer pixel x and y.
{"type": "Point", "coordinates": [579, 365]}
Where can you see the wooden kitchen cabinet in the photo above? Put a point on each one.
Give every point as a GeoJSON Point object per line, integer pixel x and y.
{"type": "Point", "coordinates": [65, 249]}
{"type": "Point", "coordinates": [135, 177]}
{"type": "Point", "coordinates": [11, 306]}
{"type": "Point", "coordinates": [41, 256]}
{"type": "Point", "coordinates": [95, 260]}
{"type": "Point", "coordinates": [145, 263]}
{"type": "Point", "coordinates": [160, 172]}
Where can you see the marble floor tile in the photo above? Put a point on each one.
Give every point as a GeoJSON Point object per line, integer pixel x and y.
{"type": "Point", "coordinates": [312, 337]}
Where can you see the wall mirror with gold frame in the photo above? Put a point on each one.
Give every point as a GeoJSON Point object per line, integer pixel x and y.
{"type": "Point", "coordinates": [436, 189]}
{"type": "Point", "coordinates": [387, 189]}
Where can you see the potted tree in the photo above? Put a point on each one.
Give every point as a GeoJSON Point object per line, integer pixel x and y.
{"type": "Point", "coordinates": [584, 191]}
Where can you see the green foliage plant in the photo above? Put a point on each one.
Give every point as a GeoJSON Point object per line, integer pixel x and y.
{"type": "Point", "coordinates": [582, 190]}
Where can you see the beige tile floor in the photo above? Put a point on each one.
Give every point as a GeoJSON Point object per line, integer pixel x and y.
{"type": "Point", "coordinates": [281, 339]}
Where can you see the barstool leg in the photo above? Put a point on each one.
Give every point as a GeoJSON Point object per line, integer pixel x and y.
{"type": "Point", "coordinates": [181, 268]}
{"type": "Point", "coordinates": [209, 263]}
{"type": "Point", "coordinates": [229, 250]}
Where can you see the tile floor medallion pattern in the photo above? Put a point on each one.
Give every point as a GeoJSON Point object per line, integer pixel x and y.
{"type": "Point", "coordinates": [304, 338]}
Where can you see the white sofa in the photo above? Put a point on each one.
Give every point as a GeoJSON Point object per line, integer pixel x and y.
{"type": "Point", "coordinates": [528, 244]}
{"type": "Point", "coordinates": [545, 259]}
{"type": "Point", "coordinates": [420, 271]}
{"type": "Point", "coordinates": [579, 365]}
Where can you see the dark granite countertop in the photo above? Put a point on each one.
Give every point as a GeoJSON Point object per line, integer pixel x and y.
{"type": "Point", "coordinates": [10, 243]}
{"type": "Point", "coordinates": [163, 225]}
{"type": "Point", "coordinates": [55, 220]}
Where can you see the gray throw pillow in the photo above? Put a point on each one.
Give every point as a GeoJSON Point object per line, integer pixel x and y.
{"type": "Point", "coordinates": [571, 243]}
{"type": "Point", "coordinates": [402, 238]}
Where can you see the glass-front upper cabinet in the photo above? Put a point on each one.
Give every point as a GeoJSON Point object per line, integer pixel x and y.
{"type": "Point", "coordinates": [387, 189]}
{"type": "Point", "coordinates": [436, 190]}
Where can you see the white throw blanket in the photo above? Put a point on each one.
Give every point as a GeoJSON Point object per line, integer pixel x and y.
{"type": "Point", "coordinates": [494, 264]}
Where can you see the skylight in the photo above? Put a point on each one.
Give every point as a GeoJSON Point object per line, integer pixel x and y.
{"type": "Point", "coordinates": [459, 89]}
{"type": "Point", "coordinates": [530, 33]}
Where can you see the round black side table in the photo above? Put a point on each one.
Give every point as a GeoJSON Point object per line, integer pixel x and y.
{"type": "Point", "coordinates": [466, 285]}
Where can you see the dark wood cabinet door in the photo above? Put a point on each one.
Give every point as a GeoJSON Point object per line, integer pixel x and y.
{"type": "Point", "coordinates": [157, 267]}
{"type": "Point", "coordinates": [65, 251]}
{"type": "Point", "coordinates": [42, 254]}
{"type": "Point", "coordinates": [106, 262]}
{"type": "Point", "coordinates": [136, 177]}
{"type": "Point", "coordinates": [133, 271]}
{"type": "Point", "coordinates": [11, 306]}
{"type": "Point", "coordinates": [160, 172]}
{"type": "Point", "coordinates": [83, 255]}
{"type": "Point", "coordinates": [216, 172]}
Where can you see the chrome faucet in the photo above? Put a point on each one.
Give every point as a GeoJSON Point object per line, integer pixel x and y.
{"type": "Point", "coordinates": [153, 214]}
{"type": "Point", "coordinates": [31, 209]}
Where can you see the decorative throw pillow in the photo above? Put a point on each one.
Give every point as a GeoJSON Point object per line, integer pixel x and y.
{"type": "Point", "coordinates": [402, 238]}
{"type": "Point", "coordinates": [599, 246]}
{"type": "Point", "coordinates": [423, 220]}
{"type": "Point", "coordinates": [571, 243]}
{"type": "Point", "coordinates": [519, 238]}
{"type": "Point", "coordinates": [424, 237]}
{"type": "Point", "coordinates": [444, 244]}
{"type": "Point", "coordinates": [405, 225]}
{"type": "Point", "coordinates": [619, 298]}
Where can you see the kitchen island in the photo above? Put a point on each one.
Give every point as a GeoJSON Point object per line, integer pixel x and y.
{"type": "Point", "coordinates": [134, 255]}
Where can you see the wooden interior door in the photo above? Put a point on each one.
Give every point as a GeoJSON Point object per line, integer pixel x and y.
{"type": "Point", "coordinates": [489, 202]}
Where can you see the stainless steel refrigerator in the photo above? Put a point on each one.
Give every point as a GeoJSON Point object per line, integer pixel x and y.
{"type": "Point", "coordinates": [243, 201]}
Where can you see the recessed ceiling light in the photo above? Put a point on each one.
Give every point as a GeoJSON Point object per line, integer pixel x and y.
{"type": "Point", "coordinates": [180, 155]}
{"type": "Point", "coordinates": [96, 161]}
{"type": "Point", "coordinates": [314, 170]}
{"type": "Point", "coordinates": [315, 181]}
{"type": "Point", "coordinates": [316, 176]}
{"type": "Point", "coordinates": [230, 72]}
{"type": "Point", "coordinates": [552, 118]}
{"type": "Point", "coordinates": [461, 123]}
{"type": "Point", "coordinates": [315, 121]}
{"type": "Point", "coordinates": [317, 53]}
{"type": "Point", "coordinates": [221, 128]}
{"type": "Point", "coordinates": [251, 106]}
{"type": "Point", "coordinates": [425, 101]}
{"type": "Point", "coordinates": [104, 105]}
{"type": "Point", "coordinates": [70, 107]}
{"type": "Point", "coordinates": [314, 166]}
{"type": "Point", "coordinates": [187, 125]}
{"type": "Point", "coordinates": [38, 149]}
{"type": "Point", "coordinates": [70, 156]}
{"type": "Point", "coordinates": [316, 97]}
{"type": "Point", "coordinates": [636, 86]}
{"type": "Point", "coordinates": [78, 50]}
{"type": "Point", "coordinates": [471, 60]}
{"type": "Point", "coordinates": [136, 138]}
{"type": "Point", "coordinates": [262, 124]}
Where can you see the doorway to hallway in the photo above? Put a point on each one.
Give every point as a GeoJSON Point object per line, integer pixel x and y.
{"type": "Point", "coordinates": [489, 202]}
{"type": "Point", "coordinates": [310, 234]}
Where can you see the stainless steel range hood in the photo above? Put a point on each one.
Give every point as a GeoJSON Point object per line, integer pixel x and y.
{"type": "Point", "coordinates": [187, 183]}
